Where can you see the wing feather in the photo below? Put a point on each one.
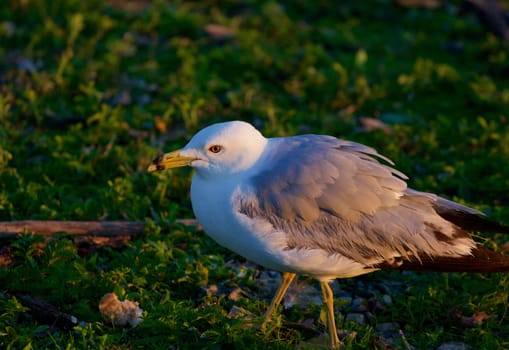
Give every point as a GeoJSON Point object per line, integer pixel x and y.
{"type": "Point", "coordinates": [332, 175]}
{"type": "Point", "coordinates": [335, 195]}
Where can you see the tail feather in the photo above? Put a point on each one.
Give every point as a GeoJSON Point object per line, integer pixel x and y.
{"type": "Point", "coordinates": [467, 218]}
{"type": "Point", "coordinates": [480, 260]}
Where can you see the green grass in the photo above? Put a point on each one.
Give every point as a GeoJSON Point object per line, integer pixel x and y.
{"type": "Point", "coordinates": [91, 91]}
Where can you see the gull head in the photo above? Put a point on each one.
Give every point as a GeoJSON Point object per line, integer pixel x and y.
{"type": "Point", "coordinates": [218, 150]}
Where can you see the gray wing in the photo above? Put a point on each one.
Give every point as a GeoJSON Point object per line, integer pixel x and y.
{"type": "Point", "coordinates": [312, 173]}
{"type": "Point", "coordinates": [335, 195]}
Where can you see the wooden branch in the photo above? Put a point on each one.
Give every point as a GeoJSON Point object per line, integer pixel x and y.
{"type": "Point", "coordinates": [46, 313]}
{"type": "Point", "coordinates": [11, 229]}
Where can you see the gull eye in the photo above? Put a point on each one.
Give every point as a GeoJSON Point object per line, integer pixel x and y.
{"type": "Point", "coordinates": [215, 148]}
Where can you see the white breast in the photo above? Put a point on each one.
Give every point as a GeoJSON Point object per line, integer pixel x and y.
{"type": "Point", "coordinates": [213, 207]}
{"type": "Point", "coordinates": [256, 239]}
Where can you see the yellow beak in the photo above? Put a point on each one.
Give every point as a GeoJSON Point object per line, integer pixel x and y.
{"type": "Point", "coordinates": [170, 160]}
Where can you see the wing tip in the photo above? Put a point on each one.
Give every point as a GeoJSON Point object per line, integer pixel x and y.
{"type": "Point", "coordinates": [480, 260]}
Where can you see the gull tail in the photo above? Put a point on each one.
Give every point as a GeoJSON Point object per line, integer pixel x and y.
{"type": "Point", "coordinates": [480, 260]}
{"type": "Point", "coordinates": [466, 220]}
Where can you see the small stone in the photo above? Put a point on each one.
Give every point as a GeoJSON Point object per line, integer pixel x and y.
{"type": "Point", "coordinates": [336, 288]}
{"type": "Point", "coordinates": [359, 305]}
{"type": "Point", "coordinates": [366, 293]}
{"type": "Point", "coordinates": [143, 99]}
{"type": "Point", "coordinates": [370, 318]}
{"type": "Point", "coordinates": [387, 327]}
{"type": "Point", "coordinates": [274, 274]}
{"type": "Point", "coordinates": [212, 290]}
{"type": "Point", "coordinates": [236, 294]}
{"type": "Point", "coordinates": [377, 306]}
{"type": "Point", "coordinates": [26, 65]}
{"type": "Point", "coordinates": [387, 299]}
{"type": "Point", "coordinates": [240, 312]}
{"type": "Point", "coordinates": [302, 295]}
{"type": "Point", "coordinates": [356, 317]}
{"type": "Point", "coordinates": [383, 288]}
{"type": "Point", "coordinates": [268, 282]}
{"type": "Point", "coordinates": [453, 345]}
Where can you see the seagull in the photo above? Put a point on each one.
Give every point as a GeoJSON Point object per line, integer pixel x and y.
{"type": "Point", "coordinates": [323, 207]}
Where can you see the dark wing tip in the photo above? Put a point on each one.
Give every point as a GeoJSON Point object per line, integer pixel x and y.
{"type": "Point", "coordinates": [480, 260]}
{"type": "Point", "coordinates": [466, 218]}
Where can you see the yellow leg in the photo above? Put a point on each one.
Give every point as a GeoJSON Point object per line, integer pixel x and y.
{"type": "Point", "coordinates": [328, 299]}
{"type": "Point", "coordinates": [285, 283]}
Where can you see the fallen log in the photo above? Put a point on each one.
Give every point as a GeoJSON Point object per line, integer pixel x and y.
{"type": "Point", "coordinates": [11, 229]}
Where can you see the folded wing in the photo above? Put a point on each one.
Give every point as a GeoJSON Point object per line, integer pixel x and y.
{"type": "Point", "coordinates": [335, 195]}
